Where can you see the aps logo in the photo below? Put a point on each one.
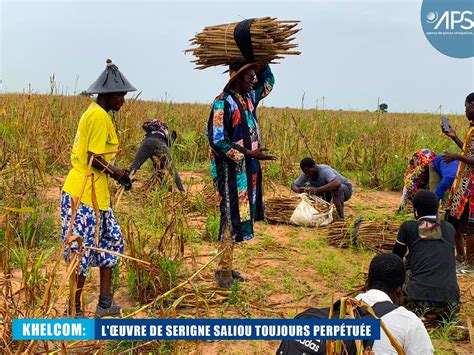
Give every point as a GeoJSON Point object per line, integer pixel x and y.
{"type": "Point", "coordinates": [449, 20]}
{"type": "Point", "coordinates": [449, 26]}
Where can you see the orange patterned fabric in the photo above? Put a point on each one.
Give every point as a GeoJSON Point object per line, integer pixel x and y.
{"type": "Point", "coordinates": [462, 190]}
{"type": "Point", "coordinates": [416, 176]}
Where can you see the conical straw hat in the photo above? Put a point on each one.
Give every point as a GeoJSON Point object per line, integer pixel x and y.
{"type": "Point", "coordinates": [110, 80]}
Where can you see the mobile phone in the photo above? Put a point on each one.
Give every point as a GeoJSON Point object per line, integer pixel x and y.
{"type": "Point", "coordinates": [445, 125]}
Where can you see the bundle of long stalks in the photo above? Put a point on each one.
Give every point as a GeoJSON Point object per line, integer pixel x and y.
{"type": "Point", "coordinates": [280, 209]}
{"type": "Point", "coordinates": [339, 234]}
{"type": "Point", "coordinates": [270, 40]}
{"type": "Point", "coordinates": [376, 236]}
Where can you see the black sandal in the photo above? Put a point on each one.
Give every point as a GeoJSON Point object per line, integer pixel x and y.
{"type": "Point", "coordinates": [225, 282]}
{"type": "Point", "coordinates": [235, 275]}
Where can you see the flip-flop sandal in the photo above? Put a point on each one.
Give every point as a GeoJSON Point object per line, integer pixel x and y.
{"type": "Point", "coordinates": [67, 313]}
{"type": "Point", "coordinates": [225, 282]}
{"type": "Point", "coordinates": [238, 276]}
{"type": "Point", "coordinates": [235, 275]}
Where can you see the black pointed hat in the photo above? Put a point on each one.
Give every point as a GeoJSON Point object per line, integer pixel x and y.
{"type": "Point", "coordinates": [110, 80]}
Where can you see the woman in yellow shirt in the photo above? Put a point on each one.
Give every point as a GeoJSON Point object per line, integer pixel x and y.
{"type": "Point", "coordinates": [87, 188]}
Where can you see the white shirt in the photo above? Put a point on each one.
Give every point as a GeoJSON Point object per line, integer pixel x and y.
{"type": "Point", "coordinates": [404, 325]}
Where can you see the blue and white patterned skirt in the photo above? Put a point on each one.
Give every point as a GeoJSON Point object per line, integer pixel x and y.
{"type": "Point", "coordinates": [110, 236]}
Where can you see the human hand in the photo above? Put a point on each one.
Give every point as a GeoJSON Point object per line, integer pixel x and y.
{"type": "Point", "coordinates": [310, 190]}
{"type": "Point", "coordinates": [451, 134]}
{"type": "Point", "coordinates": [123, 179]}
{"type": "Point", "coordinates": [259, 67]}
{"type": "Point", "coordinates": [403, 201]}
{"type": "Point", "coordinates": [260, 154]}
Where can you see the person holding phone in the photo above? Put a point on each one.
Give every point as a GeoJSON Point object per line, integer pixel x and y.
{"type": "Point", "coordinates": [460, 210]}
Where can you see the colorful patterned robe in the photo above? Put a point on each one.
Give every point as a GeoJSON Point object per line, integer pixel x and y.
{"type": "Point", "coordinates": [416, 176]}
{"type": "Point", "coordinates": [231, 131]}
{"type": "Point", "coordinates": [462, 191]}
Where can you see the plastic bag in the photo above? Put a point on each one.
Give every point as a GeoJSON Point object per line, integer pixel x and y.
{"type": "Point", "coordinates": [306, 213]}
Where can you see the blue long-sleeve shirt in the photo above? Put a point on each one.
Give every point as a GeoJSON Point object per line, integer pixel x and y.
{"type": "Point", "coordinates": [447, 173]}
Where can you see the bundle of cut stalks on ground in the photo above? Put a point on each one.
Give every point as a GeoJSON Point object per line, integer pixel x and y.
{"type": "Point", "coordinates": [339, 234]}
{"type": "Point", "coordinates": [270, 40]}
{"type": "Point", "coordinates": [377, 236]}
{"type": "Point", "coordinates": [280, 209]}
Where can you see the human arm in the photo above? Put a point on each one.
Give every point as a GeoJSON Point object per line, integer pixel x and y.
{"type": "Point", "coordinates": [143, 154]}
{"type": "Point", "coordinates": [327, 180]}
{"type": "Point", "coordinates": [173, 171]}
{"type": "Point", "coordinates": [178, 182]}
{"type": "Point", "coordinates": [400, 247]}
{"type": "Point", "coordinates": [265, 81]}
{"type": "Point", "coordinates": [218, 128]}
{"type": "Point", "coordinates": [330, 186]}
{"type": "Point", "coordinates": [452, 134]}
{"type": "Point", "coordinates": [96, 150]}
{"type": "Point", "coordinates": [443, 186]}
{"type": "Point", "coordinates": [296, 188]}
{"type": "Point", "coordinates": [403, 199]}
{"type": "Point", "coordinates": [299, 185]}
{"type": "Point", "coordinates": [120, 175]}
{"type": "Point", "coordinates": [448, 157]}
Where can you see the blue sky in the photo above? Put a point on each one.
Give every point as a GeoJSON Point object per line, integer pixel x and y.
{"type": "Point", "coordinates": [353, 52]}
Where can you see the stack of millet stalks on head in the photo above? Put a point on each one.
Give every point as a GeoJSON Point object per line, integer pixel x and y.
{"type": "Point", "coordinates": [263, 39]}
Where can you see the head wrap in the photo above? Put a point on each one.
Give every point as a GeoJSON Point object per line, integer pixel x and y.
{"type": "Point", "coordinates": [416, 177]}
{"type": "Point", "coordinates": [155, 125]}
{"type": "Point", "coordinates": [235, 69]}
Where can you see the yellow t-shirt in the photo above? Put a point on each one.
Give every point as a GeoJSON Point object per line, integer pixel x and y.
{"type": "Point", "coordinates": [96, 134]}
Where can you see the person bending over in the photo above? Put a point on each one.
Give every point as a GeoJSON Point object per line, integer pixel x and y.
{"type": "Point", "coordinates": [323, 181]}
{"type": "Point", "coordinates": [155, 146]}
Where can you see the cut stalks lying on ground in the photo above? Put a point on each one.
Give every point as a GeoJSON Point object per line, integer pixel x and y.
{"type": "Point", "coordinates": [370, 235]}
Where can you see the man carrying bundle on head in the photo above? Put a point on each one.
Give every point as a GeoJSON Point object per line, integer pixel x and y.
{"type": "Point", "coordinates": [96, 141]}
{"type": "Point", "coordinates": [322, 180]}
{"type": "Point", "coordinates": [234, 138]}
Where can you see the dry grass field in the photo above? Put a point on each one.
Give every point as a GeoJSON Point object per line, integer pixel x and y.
{"type": "Point", "coordinates": [174, 238]}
